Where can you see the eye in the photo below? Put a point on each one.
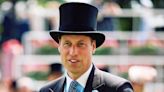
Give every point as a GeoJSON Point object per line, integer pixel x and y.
{"type": "Point", "coordinates": [66, 44]}
{"type": "Point", "coordinates": [81, 44]}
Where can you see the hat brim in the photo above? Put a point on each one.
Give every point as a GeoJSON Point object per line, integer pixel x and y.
{"type": "Point", "coordinates": [99, 37]}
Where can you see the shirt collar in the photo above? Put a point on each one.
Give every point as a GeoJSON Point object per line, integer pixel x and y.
{"type": "Point", "coordinates": [82, 80]}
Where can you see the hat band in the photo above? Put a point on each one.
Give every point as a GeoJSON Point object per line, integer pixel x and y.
{"type": "Point", "coordinates": [76, 28]}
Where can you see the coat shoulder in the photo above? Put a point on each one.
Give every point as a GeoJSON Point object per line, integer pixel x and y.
{"type": "Point", "coordinates": [53, 85]}
{"type": "Point", "coordinates": [110, 78]}
{"type": "Point", "coordinates": [114, 82]}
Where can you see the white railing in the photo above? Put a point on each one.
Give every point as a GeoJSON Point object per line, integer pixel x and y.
{"type": "Point", "coordinates": [112, 60]}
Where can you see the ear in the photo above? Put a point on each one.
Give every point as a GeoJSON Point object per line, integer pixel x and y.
{"type": "Point", "coordinates": [94, 46]}
{"type": "Point", "coordinates": [59, 49]}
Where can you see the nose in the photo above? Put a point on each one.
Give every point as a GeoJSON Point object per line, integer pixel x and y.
{"type": "Point", "coordinates": [73, 51]}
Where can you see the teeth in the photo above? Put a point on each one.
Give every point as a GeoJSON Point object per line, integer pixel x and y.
{"type": "Point", "coordinates": [73, 61]}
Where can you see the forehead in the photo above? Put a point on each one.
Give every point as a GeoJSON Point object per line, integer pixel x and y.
{"type": "Point", "coordinates": [75, 37]}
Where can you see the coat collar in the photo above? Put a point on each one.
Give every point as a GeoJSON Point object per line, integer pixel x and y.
{"type": "Point", "coordinates": [94, 82]}
{"type": "Point", "coordinates": [58, 86]}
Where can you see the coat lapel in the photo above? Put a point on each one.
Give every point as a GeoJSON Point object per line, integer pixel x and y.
{"type": "Point", "coordinates": [94, 81]}
{"type": "Point", "coordinates": [98, 83]}
{"type": "Point", "coordinates": [88, 87]}
{"type": "Point", "coordinates": [59, 87]}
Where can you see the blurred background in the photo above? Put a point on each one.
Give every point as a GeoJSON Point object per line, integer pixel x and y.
{"type": "Point", "coordinates": [133, 49]}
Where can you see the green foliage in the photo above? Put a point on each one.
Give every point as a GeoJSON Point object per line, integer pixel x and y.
{"type": "Point", "coordinates": [158, 3]}
{"type": "Point", "coordinates": [44, 2]}
{"type": "Point", "coordinates": [124, 75]}
{"type": "Point", "coordinates": [103, 51]}
{"type": "Point", "coordinates": [125, 24]}
{"type": "Point", "coordinates": [1, 29]}
{"type": "Point", "coordinates": [144, 50]}
{"type": "Point", "coordinates": [38, 75]}
{"type": "Point", "coordinates": [1, 1]}
{"type": "Point", "coordinates": [47, 50]}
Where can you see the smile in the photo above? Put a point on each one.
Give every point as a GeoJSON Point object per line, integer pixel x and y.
{"type": "Point", "coordinates": [73, 61]}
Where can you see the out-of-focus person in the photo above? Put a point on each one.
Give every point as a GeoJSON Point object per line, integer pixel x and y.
{"type": "Point", "coordinates": [22, 14]}
{"type": "Point", "coordinates": [8, 22]}
{"type": "Point", "coordinates": [103, 67]}
{"type": "Point", "coordinates": [2, 87]}
{"type": "Point", "coordinates": [13, 86]}
{"type": "Point", "coordinates": [107, 10]}
{"type": "Point", "coordinates": [56, 71]}
{"type": "Point", "coordinates": [140, 75]}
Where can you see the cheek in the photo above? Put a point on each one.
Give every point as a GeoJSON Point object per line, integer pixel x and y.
{"type": "Point", "coordinates": [86, 55]}
{"type": "Point", "coordinates": [63, 54]}
{"type": "Point", "coordinates": [62, 50]}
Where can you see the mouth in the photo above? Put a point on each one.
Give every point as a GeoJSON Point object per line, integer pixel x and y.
{"type": "Point", "coordinates": [73, 60]}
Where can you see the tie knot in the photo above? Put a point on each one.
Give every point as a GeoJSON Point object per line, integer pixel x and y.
{"type": "Point", "coordinates": [75, 87]}
{"type": "Point", "coordinates": [74, 84]}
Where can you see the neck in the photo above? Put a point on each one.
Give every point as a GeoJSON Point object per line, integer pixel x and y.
{"type": "Point", "coordinates": [76, 75]}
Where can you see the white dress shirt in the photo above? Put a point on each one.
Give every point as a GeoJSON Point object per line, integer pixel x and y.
{"type": "Point", "coordinates": [82, 80]}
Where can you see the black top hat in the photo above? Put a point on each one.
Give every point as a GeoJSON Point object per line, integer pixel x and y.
{"type": "Point", "coordinates": [78, 18]}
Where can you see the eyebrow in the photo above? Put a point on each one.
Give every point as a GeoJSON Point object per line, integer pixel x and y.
{"type": "Point", "coordinates": [81, 41]}
{"type": "Point", "coordinates": [77, 41]}
{"type": "Point", "coordinates": [59, 38]}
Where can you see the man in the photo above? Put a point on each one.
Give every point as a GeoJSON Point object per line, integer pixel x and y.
{"type": "Point", "coordinates": [78, 39]}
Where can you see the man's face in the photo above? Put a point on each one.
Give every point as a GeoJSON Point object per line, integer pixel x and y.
{"type": "Point", "coordinates": [76, 53]}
